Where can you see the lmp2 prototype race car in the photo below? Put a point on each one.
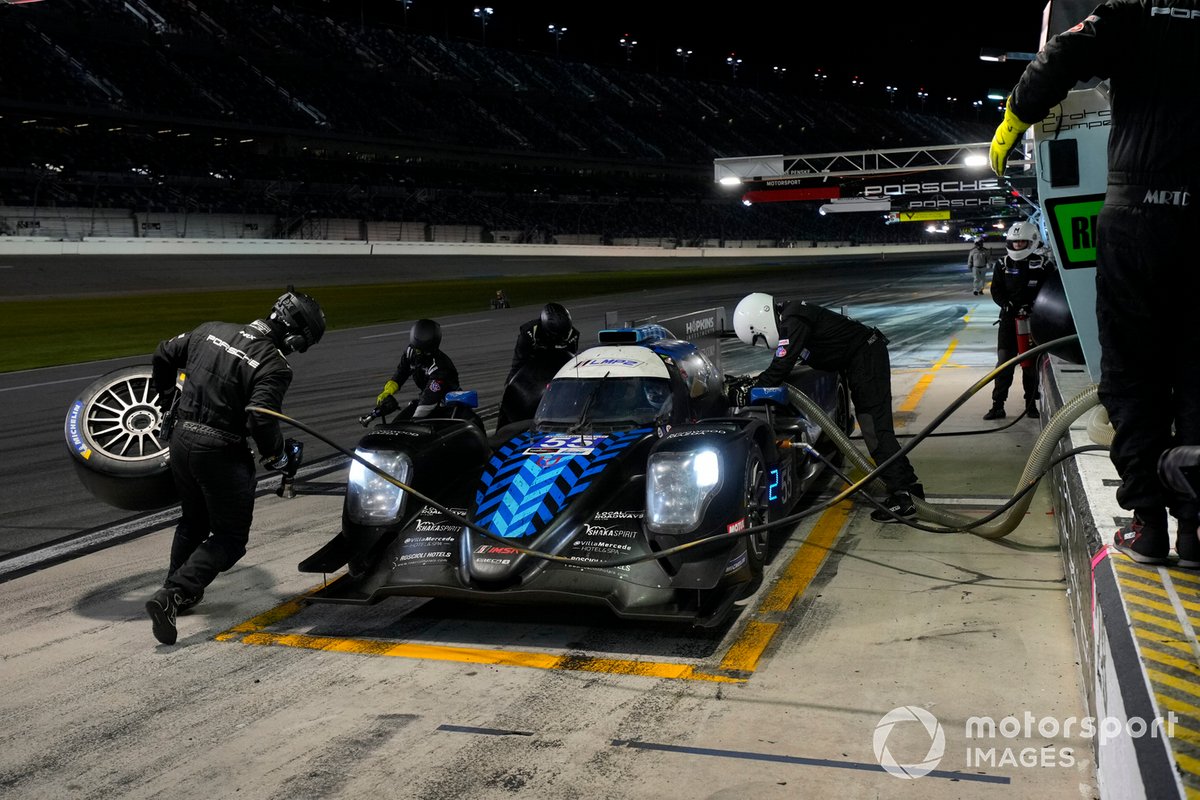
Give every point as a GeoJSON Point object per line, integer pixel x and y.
{"type": "Point", "coordinates": [633, 451]}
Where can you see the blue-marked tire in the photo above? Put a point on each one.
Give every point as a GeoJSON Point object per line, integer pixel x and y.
{"type": "Point", "coordinates": [111, 431]}
{"type": "Point", "coordinates": [755, 511]}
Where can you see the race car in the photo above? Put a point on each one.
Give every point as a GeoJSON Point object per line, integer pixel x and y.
{"type": "Point", "coordinates": [633, 451]}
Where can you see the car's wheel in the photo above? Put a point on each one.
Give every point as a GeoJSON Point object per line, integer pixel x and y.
{"type": "Point", "coordinates": [754, 507]}
{"type": "Point", "coordinates": [111, 431]}
{"type": "Point", "coordinates": [843, 417]}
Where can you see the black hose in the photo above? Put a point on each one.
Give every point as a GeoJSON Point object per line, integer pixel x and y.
{"type": "Point", "coordinates": [1029, 486]}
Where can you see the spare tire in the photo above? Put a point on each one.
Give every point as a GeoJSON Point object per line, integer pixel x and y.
{"type": "Point", "coordinates": [111, 431]}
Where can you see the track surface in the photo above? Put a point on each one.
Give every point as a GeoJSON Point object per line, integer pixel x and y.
{"type": "Point", "coordinates": [265, 697]}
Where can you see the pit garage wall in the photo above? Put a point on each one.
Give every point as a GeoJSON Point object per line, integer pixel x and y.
{"type": "Point", "coordinates": [1114, 678]}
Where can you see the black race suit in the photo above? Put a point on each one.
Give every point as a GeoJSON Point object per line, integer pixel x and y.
{"type": "Point", "coordinates": [1146, 287]}
{"type": "Point", "coordinates": [1015, 285]}
{"type": "Point", "coordinates": [434, 375]}
{"type": "Point", "coordinates": [536, 359]}
{"type": "Point", "coordinates": [826, 340]}
{"type": "Point", "coordinates": [226, 367]}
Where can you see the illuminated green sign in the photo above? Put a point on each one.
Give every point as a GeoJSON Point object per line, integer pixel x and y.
{"type": "Point", "coordinates": [1072, 221]}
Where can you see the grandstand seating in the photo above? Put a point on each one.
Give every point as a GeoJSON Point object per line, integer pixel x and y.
{"type": "Point", "coordinates": [177, 107]}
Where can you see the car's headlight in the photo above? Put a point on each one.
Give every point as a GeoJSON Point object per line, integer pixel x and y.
{"type": "Point", "coordinates": [371, 500]}
{"type": "Point", "coordinates": [679, 487]}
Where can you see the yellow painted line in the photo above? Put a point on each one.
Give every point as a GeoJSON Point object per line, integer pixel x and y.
{"type": "Point", "coordinates": [268, 618]}
{"type": "Point", "coordinates": [746, 651]}
{"type": "Point", "coordinates": [473, 655]}
{"type": "Point", "coordinates": [1188, 764]}
{"type": "Point", "coordinates": [1165, 608]}
{"type": "Point", "coordinates": [1183, 733]}
{"type": "Point", "coordinates": [1171, 661]}
{"type": "Point", "coordinates": [1134, 582]}
{"type": "Point", "coordinates": [1191, 793]}
{"type": "Point", "coordinates": [1159, 590]}
{"type": "Point", "coordinates": [1128, 569]}
{"type": "Point", "coordinates": [1185, 576]}
{"type": "Point", "coordinates": [744, 654]}
{"type": "Point", "coordinates": [742, 657]}
{"type": "Point", "coordinates": [914, 397]}
{"type": "Point", "coordinates": [1175, 644]}
{"type": "Point", "coordinates": [1178, 684]}
{"type": "Point", "coordinates": [1178, 706]}
{"type": "Point", "coordinates": [808, 559]}
{"type": "Point", "coordinates": [1171, 625]}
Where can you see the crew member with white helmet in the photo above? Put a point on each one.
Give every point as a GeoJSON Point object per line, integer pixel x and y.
{"type": "Point", "coordinates": [803, 333]}
{"type": "Point", "coordinates": [1016, 281]}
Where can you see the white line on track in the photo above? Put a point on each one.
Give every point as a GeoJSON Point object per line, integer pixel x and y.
{"type": "Point", "coordinates": [48, 383]}
{"type": "Point", "coordinates": [102, 537]}
{"type": "Point", "coordinates": [402, 333]}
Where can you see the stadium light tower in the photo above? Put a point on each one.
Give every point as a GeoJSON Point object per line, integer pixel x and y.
{"type": "Point", "coordinates": [683, 55]}
{"type": "Point", "coordinates": [779, 72]}
{"type": "Point", "coordinates": [482, 13]}
{"type": "Point", "coordinates": [557, 33]}
{"type": "Point", "coordinates": [891, 90]}
{"type": "Point", "coordinates": [405, 5]}
{"type": "Point", "coordinates": [627, 44]}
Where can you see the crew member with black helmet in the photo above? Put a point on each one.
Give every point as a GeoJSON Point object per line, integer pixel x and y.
{"type": "Point", "coordinates": [1016, 280]}
{"type": "Point", "coordinates": [551, 338]}
{"type": "Point", "coordinates": [1149, 51]}
{"type": "Point", "coordinates": [432, 371]}
{"type": "Point", "coordinates": [543, 345]}
{"type": "Point", "coordinates": [805, 333]}
{"type": "Point", "coordinates": [208, 377]}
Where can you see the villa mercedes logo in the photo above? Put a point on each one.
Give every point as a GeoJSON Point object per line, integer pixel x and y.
{"type": "Point", "coordinates": [937, 742]}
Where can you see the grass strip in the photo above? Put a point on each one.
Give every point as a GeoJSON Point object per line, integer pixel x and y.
{"type": "Point", "coordinates": [42, 333]}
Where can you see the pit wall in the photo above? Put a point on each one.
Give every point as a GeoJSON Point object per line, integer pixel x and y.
{"type": "Point", "coordinates": [39, 246]}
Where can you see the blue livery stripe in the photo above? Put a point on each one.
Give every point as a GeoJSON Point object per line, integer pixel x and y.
{"type": "Point", "coordinates": [520, 492]}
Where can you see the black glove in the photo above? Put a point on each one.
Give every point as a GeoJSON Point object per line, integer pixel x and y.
{"type": "Point", "coordinates": [739, 393]}
{"type": "Point", "coordinates": [278, 462]}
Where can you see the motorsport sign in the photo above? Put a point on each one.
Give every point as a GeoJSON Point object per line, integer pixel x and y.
{"type": "Point", "coordinates": [917, 216]}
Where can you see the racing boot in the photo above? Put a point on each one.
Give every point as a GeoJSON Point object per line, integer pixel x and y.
{"type": "Point", "coordinates": [1145, 539]}
{"type": "Point", "coordinates": [996, 412]}
{"type": "Point", "coordinates": [162, 609]}
{"type": "Point", "coordinates": [1187, 544]}
{"type": "Point", "coordinates": [186, 604]}
{"type": "Point", "coordinates": [1031, 409]}
{"type": "Point", "coordinates": [899, 506]}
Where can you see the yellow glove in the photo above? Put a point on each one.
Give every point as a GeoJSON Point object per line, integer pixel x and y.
{"type": "Point", "coordinates": [389, 389]}
{"type": "Point", "coordinates": [1005, 139]}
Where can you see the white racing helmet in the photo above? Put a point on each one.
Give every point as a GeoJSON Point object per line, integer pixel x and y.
{"type": "Point", "coordinates": [754, 319]}
{"type": "Point", "coordinates": [1022, 239]}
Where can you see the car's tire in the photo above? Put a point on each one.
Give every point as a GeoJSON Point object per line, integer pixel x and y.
{"type": "Point", "coordinates": [111, 432]}
{"type": "Point", "coordinates": [755, 512]}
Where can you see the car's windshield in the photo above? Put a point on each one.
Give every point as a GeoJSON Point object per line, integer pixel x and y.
{"type": "Point", "coordinates": [606, 401]}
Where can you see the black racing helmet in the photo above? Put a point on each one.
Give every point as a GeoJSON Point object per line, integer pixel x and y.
{"type": "Point", "coordinates": [302, 319]}
{"type": "Point", "coordinates": [425, 335]}
{"type": "Point", "coordinates": [556, 321]}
